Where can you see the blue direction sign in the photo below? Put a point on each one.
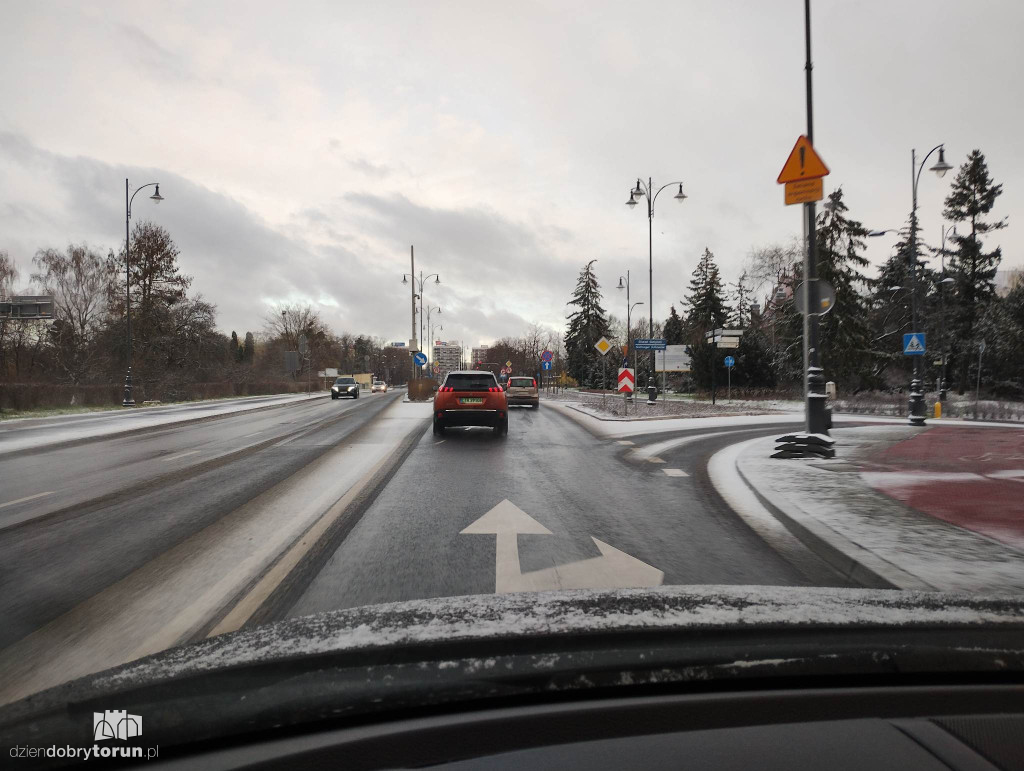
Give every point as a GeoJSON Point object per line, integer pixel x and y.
{"type": "Point", "coordinates": [913, 344]}
{"type": "Point", "coordinates": [420, 358]}
{"type": "Point", "coordinates": [547, 356]}
{"type": "Point", "coordinates": [650, 343]}
{"type": "Point", "coordinates": [545, 365]}
{"type": "Point", "coordinates": [730, 361]}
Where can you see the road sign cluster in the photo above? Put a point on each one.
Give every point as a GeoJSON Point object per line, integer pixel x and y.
{"type": "Point", "coordinates": [650, 344]}
{"type": "Point", "coordinates": [725, 338]}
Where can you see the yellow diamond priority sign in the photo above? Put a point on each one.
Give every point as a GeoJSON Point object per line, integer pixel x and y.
{"type": "Point", "coordinates": [603, 346]}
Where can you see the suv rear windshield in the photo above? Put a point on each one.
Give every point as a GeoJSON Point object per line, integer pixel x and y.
{"type": "Point", "coordinates": [471, 382]}
{"type": "Point", "coordinates": [345, 381]}
{"type": "Point", "coordinates": [520, 382]}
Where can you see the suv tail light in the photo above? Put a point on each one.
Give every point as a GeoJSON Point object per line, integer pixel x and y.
{"type": "Point", "coordinates": [535, 382]}
{"type": "Point", "coordinates": [446, 389]}
{"type": "Point", "coordinates": [494, 389]}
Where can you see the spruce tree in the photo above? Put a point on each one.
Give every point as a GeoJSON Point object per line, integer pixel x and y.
{"type": "Point", "coordinates": [846, 337]}
{"type": "Point", "coordinates": [587, 324]}
{"type": "Point", "coordinates": [674, 333]}
{"type": "Point", "coordinates": [706, 310]}
{"type": "Point", "coordinates": [971, 199]}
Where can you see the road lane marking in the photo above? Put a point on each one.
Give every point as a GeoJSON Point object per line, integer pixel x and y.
{"type": "Point", "coordinates": [179, 456]}
{"type": "Point", "coordinates": [614, 569]}
{"type": "Point", "coordinates": [675, 472]}
{"type": "Point", "coordinates": [644, 453]}
{"type": "Point", "coordinates": [655, 460]}
{"type": "Point", "coordinates": [255, 433]}
{"type": "Point", "coordinates": [25, 499]}
{"type": "Point", "coordinates": [440, 442]}
{"type": "Point", "coordinates": [624, 441]}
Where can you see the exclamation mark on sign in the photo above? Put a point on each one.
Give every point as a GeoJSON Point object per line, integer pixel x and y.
{"type": "Point", "coordinates": [802, 151]}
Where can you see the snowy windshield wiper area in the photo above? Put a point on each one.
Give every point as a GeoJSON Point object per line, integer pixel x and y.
{"type": "Point", "coordinates": [463, 650]}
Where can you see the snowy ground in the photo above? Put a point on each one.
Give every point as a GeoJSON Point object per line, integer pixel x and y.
{"type": "Point", "coordinates": [833, 505]}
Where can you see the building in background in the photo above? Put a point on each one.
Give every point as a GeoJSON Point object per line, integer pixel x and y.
{"type": "Point", "coordinates": [448, 356]}
{"type": "Point", "coordinates": [1007, 280]}
{"type": "Point", "coordinates": [479, 357]}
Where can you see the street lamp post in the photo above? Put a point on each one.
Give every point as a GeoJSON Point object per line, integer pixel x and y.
{"type": "Point", "coordinates": [647, 191]}
{"type": "Point", "coordinates": [417, 283]}
{"type": "Point", "coordinates": [944, 336]}
{"type": "Point", "coordinates": [157, 198]}
{"type": "Point", "coordinates": [629, 327]}
{"type": "Point", "coordinates": [430, 332]}
{"type": "Point", "coordinates": [916, 404]}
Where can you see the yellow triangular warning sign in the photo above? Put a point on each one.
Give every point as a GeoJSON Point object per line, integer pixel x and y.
{"type": "Point", "coordinates": [803, 163]}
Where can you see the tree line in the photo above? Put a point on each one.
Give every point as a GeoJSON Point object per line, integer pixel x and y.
{"type": "Point", "coordinates": [861, 336]}
{"type": "Point", "coordinates": [175, 341]}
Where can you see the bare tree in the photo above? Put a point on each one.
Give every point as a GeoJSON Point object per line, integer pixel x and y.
{"type": "Point", "coordinates": [80, 280]}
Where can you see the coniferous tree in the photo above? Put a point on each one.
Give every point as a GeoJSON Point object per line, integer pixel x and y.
{"type": "Point", "coordinates": [846, 337]}
{"type": "Point", "coordinates": [970, 200]}
{"type": "Point", "coordinates": [587, 324]}
{"type": "Point", "coordinates": [674, 332]}
{"type": "Point", "coordinates": [706, 310]}
{"type": "Point", "coordinates": [249, 351]}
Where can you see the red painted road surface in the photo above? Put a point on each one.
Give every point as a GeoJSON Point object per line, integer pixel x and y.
{"type": "Point", "coordinates": [971, 477]}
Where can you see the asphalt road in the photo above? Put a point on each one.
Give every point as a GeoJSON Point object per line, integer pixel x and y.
{"type": "Point", "coordinates": [149, 540]}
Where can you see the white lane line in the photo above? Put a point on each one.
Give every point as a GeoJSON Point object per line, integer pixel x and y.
{"type": "Point", "coordinates": [650, 450]}
{"type": "Point", "coordinates": [255, 433]}
{"type": "Point", "coordinates": [655, 460]}
{"type": "Point", "coordinates": [27, 498]}
{"type": "Point", "coordinates": [440, 442]}
{"type": "Point", "coordinates": [624, 441]}
{"type": "Point", "coordinates": [675, 472]}
{"type": "Point", "coordinates": [180, 455]}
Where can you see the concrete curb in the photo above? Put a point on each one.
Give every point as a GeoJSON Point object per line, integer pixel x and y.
{"type": "Point", "coordinates": [849, 559]}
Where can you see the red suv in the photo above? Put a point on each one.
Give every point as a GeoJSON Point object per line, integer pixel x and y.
{"type": "Point", "coordinates": [470, 398]}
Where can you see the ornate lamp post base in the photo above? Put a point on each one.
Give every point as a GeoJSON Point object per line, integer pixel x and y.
{"type": "Point", "coordinates": [916, 403]}
{"type": "Point", "coordinates": [128, 400]}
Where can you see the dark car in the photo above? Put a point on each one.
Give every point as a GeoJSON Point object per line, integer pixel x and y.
{"type": "Point", "coordinates": [345, 386]}
{"type": "Point", "coordinates": [470, 398]}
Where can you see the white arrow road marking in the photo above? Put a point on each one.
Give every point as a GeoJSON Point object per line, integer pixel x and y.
{"type": "Point", "coordinates": [614, 569]}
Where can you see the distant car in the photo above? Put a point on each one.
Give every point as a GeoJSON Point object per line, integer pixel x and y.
{"type": "Point", "coordinates": [522, 390]}
{"type": "Point", "coordinates": [470, 398]}
{"type": "Point", "coordinates": [345, 386]}
{"type": "Point", "coordinates": [379, 385]}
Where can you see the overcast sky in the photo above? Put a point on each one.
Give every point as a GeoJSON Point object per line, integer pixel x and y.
{"type": "Point", "coordinates": [302, 147]}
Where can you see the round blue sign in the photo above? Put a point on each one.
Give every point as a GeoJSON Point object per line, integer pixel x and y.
{"type": "Point", "coordinates": [729, 361]}
{"type": "Point", "coordinates": [420, 358]}
{"type": "Point", "coordinates": [547, 355]}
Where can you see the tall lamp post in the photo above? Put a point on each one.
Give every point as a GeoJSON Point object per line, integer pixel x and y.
{"type": "Point", "coordinates": [944, 336]}
{"type": "Point", "coordinates": [417, 283]}
{"type": "Point", "coordinates": [629, 326]}
{"type": "Point", "coordinates": [917, 406]}
{"type": "Point", "coordinates": [156, 198]}
{"type": "Point", "coordinates": [648, 192]}
{"type": "Point", "coordinates": [430, 333]}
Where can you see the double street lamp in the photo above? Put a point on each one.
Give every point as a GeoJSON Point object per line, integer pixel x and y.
{"type": "Point", "coordinates": [648, 192]}
{"type": "Point", "coordinates": [417, 283]}
{"type": "Point", "coordinates": [128, 400]}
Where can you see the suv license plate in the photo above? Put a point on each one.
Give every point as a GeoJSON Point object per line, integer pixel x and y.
{"type": "Point", "coordinates": [471, 400]}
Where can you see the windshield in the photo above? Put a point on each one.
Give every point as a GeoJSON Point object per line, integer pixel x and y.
{"type": "Point", "coordinates": [805, 374]}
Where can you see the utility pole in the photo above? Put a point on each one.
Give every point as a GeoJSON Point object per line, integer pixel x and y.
{"type": "Point", "coordinates": [412, 289]}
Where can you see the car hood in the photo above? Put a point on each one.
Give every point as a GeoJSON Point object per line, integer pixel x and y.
{"type": "Point", "coordinates": [411, 654]}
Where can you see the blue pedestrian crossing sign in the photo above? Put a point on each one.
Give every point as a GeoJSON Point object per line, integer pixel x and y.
{"type": "Point", "coordinates": [545, 365]}
{"type": "Point", "coordinates": [913, 344]}
{"type": "Point", "coordinates": [420, 358]}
